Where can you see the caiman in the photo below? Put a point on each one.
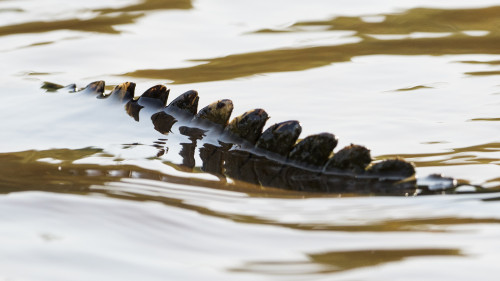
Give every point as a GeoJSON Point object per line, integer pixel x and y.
{"type": "Point", "coordinates": [275, 157]}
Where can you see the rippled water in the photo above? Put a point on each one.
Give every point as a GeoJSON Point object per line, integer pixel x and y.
{"type": "Point", "coordinates": [85, 195]}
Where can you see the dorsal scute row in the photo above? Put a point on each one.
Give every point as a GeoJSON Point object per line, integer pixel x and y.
{"type": "Point", "coordinates": [314, 151]}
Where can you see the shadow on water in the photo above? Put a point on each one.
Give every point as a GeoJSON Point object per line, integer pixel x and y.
{"type": "Point", "coordinates": [101, 23]}
{"type": "Point", "coordinates": [453, 23]}
{"type": "Point", "coordinates": [332, 262]}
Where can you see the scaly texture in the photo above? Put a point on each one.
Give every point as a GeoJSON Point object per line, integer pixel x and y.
{"type": "Point", "coordinates": [271, 158]}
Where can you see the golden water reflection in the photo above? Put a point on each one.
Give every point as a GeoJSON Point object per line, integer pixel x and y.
{"type": "Point", "coordinates": [54, 171]}
{"type": "Point", "coordinates": [416, 20]}
{"type": "Point", "coordinates": [332, 262]}
{"type": "Point", "coordinates": [456, 22]}
{"type": "Point", "coordinates": [150, 5]}
{"type": "Point", "coordinates": [101, 23]}
{"type": "Point", "coordinates": [418, 87]}
{"type": "Point", "coordinates": [241, 65]}
{"type": "Point", "coordinates": [455, 156]}
{"type": "Point", "coordinates": [58, 170]}
{"type": "Point", "coordinates": [347, 260]}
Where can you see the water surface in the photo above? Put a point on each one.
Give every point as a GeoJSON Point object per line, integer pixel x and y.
{"type": "Point", "coordinates": [85, 194]}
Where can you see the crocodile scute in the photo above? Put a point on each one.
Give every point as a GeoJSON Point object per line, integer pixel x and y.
{"type": "Point", "coordinates": [274, 157]}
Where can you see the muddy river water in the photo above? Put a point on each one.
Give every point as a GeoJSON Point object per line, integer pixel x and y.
{"type": "Point", "coordinates": [84, 194]}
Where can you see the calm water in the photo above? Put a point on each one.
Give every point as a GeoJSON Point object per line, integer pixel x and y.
{"type": "Point", "coordinates": [84, 196]}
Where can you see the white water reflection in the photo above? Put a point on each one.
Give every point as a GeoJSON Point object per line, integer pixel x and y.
{"type": "Point", "coordinates": [96, 236]}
